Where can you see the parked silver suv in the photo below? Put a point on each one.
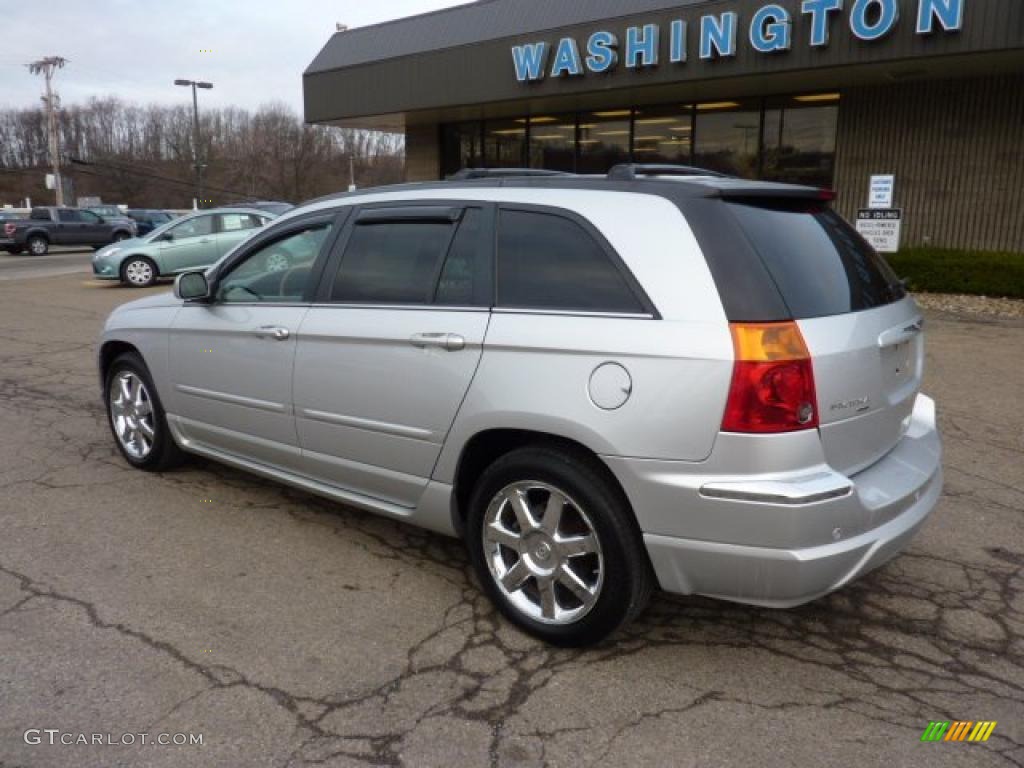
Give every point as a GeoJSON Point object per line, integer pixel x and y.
{"type": "Point", "coordinates": [703, 383]}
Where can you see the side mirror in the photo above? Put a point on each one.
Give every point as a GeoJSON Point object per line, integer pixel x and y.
{"type": "Point", "coordinates": [192, 286]}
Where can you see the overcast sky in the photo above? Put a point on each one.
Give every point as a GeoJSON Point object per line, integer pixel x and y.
{"type": "Point", "coordinates": [135, 49]}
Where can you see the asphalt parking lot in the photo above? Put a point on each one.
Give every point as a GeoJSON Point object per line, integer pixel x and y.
{"type": "Point", "coordinates": [290, 631]}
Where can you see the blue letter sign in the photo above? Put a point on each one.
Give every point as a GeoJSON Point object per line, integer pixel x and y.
{"type": "Point", "coordinates": [950, 14]}
{"type": "Point", "coordinates": [530, 61]}
{"type": "Point", "coordinates": [602, 53]}
{"type": "Point", "coordinates": [888, 15]}
{"type": "Point", "coordinates": [642, 51]}
{"type": "Point", "coordinates": [718, 33]}
{"type": "Point", "coordinates": [567, 59]}
{"type": "Point", "coordinates": [820, 10]}
{"type": "Point", "coordinates": [770, 29]}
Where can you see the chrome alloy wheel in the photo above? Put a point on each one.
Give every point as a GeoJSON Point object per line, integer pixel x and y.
{"type": "Point", "coordinates": [139, 272]}
{"type": "Point", "coordinates": [131, 412]}
{"type": "Point", "coordinates": [543, 553]}
{"type": "Point", "coordinates": [37, 246]}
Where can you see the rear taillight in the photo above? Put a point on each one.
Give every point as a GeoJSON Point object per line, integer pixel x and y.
{"type": "Point", "coordinates": [772, 382]}
{"type": "Point", "coordinates": [9, 229]}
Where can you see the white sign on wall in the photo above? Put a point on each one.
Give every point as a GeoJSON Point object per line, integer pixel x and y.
{"type": "Point", "coordinates": [882, 191]}
{"type": "Point", "coordinates": [881, 227]}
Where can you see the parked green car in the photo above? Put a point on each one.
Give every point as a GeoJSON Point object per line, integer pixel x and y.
{"type": "Point", "coordinates": [194, 241]}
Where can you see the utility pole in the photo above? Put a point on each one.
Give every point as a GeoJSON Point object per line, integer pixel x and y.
{"type": "Point", "coordinates": [195, 136]}
{"type": "Point", "coordinates": [46, 68]}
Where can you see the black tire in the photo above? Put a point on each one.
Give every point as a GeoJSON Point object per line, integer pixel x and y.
{"type": "Point", "coordinates": [38, 245]}
{"type": "Point", "coordinates": [628, 580]}
{"type": "Point", "coordinates": [164, 453]}
{"type": "Point", "coordinates": [139, 272]}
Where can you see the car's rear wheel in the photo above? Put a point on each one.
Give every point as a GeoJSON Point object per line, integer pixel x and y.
{"type": "Point", "coordinates": [137, 418]}
{"type": "Point", "coordinates": [554, 544]}
{"type": "Point", "coordinates": [138, 272]}
{"type": "Point", "coordinates": [38, 245]}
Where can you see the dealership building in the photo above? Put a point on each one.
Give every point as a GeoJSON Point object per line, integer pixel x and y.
{"type": "Point", "coordinates": [918, 102]}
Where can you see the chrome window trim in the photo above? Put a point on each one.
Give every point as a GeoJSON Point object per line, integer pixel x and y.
{"type": "Point", "coordinates": [573, 313]}
{"type": "Point", "coordinates": [399, 307]}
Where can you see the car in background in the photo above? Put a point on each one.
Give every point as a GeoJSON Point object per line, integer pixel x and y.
{"type": "Point", "coordinates": [276, 208]}
{"type": "Point", "coordinates": [53, 225]}
{"type": "Point", "coordinates": [195, 241]}
{"type": "Point", "coordinates": [148, 220]}
{"type": "Point", "coordinates": [112, 214]}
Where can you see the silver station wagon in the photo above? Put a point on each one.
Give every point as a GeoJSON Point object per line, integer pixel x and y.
{"type": "Point", "coordinates": [602, 385]}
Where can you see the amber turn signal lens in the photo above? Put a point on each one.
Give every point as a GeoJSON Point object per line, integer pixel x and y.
{"type": "Point", "coordinates": [773, 381]}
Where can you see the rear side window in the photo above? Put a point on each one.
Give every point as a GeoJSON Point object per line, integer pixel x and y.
{"type": "Point", "coordinates": [234, 222]}
{"type": "Point", "coordinates": [818, 262]}
{"type": "Point", "coordinates": [392, 263]}
{"type": "Point", "coordinates": [546, 261]}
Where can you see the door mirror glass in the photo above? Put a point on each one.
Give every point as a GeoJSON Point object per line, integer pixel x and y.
{"type": "Point", "coordinates": [192, 286]}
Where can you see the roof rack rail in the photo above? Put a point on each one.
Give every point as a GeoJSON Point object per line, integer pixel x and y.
{"type": "Point", "coordinates": [633, 171]}
{"type": "Point", "coordinates": [467, 174]}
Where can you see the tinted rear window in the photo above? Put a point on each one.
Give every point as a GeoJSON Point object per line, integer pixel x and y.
{"type": "Point", "coordinates": [549, 262]}
{"type": "Point", "coordinates": [818, 262]}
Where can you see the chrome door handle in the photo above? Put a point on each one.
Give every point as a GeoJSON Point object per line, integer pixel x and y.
{"type": "Point", "coordinates": [273, 332]}
{"type": "Point", "coordinates": [452, 342]}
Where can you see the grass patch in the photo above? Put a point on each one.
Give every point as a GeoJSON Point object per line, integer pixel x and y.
{"type": "Point", "coordinates": [978, 273]}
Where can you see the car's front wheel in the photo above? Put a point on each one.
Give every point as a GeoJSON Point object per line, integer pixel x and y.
{"type": "Point", "coordinates": [137, 418]}
{"type": "Point", "coordinates": [554, 544]}
{"type": "Point", "coordinates": [38, 245]}
{"type": "Point", "coordinates": [138, 272]}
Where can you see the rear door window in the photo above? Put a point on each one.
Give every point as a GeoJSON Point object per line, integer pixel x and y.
{"type": "Point", "coordinates": [550, 262]}
{"type": "Point", "coordinates": [818, 262]}
{"type": "Point", "coordinates": [392, 262]}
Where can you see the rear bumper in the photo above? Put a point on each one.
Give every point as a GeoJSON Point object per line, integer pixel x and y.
{"type": "Point", "coordinates": [868, 519]}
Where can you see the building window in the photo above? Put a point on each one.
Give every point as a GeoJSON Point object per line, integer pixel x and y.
{"type": "Point", "coordinates": [604, 140]}
{"type": "Point", "coordinates": [505, 143]}
{"type": "Point", "coordinates": [728, 137]}
{"type": "Point", "coordinates": [553, 142]}
{"type": "Point", "coordinates": [791, 139]}
{"type": "Point", "coordinates": [461, 147]}
{"type": "Point", "coordinates": [800, 139]}
{"type": "Point", "coordinates": [663, 135]}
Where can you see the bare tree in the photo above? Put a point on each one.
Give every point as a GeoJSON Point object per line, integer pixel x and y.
{"type": "Point", "coordinates": [142, 155]}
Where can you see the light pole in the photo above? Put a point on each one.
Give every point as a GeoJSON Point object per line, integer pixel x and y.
{"type": "Point", "coordinates": [195, 139]}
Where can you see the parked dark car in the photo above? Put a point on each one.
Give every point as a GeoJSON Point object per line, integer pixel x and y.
{"type": "Point", "coordinates": [48, 226]}
{"type": "Point", "coordinates": [147, 220]}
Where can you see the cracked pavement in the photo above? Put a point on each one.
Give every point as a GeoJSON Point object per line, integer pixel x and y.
{"type": "Point", "coordinates": [291, 631]}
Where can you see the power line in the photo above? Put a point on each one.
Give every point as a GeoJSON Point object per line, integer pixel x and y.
{"type": "Point", "coordinates": [81, 164]}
